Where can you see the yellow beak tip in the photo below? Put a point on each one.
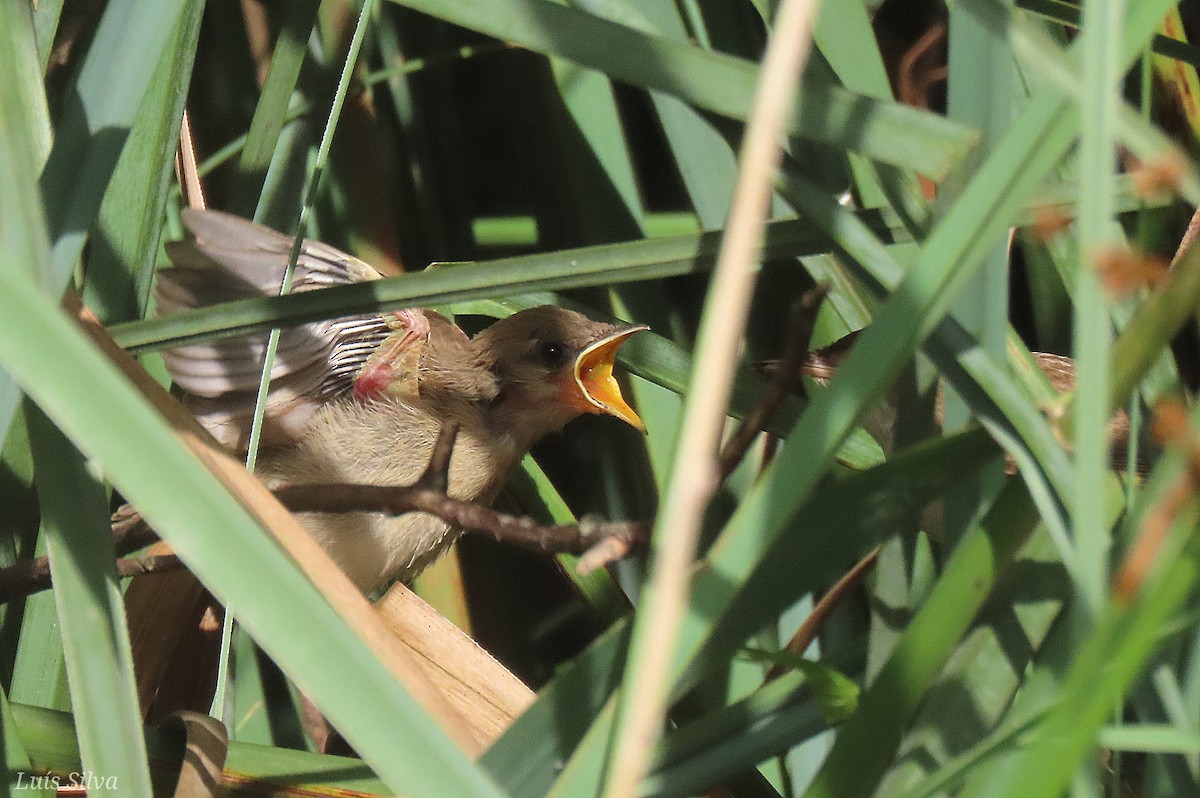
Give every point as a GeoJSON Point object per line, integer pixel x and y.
{"type": "Point", "coordinates": [593, 375]}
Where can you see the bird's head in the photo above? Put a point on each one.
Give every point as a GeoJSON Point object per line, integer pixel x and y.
{"type": "Point", "coordinates": [552, 365]}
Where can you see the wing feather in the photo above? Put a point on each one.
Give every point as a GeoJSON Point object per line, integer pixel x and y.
{"type": "Point", "coordinates": [229, 258]}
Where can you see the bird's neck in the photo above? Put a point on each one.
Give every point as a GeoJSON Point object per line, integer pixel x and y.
{"type": "Point", "coordinates": [521, 424]}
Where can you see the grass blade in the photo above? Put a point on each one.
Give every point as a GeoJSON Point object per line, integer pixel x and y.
{"type": "Point", "coordinates": [91, 615]}
{"type": "Point", "coordinates": [95, 124]}
{"type": "Point", "coordinates": [124, 243]}
{"type": "Point", "coordinates": [884, 131]}
{"type": "Point", "coordinates": [270, 114]}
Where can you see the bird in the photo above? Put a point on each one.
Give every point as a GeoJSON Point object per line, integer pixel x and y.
{"type": "Point", "coordinates": [362, 399]}
{"type": "Point", "coordinates": [822, 364]}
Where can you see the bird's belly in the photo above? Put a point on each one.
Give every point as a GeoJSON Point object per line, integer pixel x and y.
{"type": "Point", "coordinates": [372, 547]}
{"type": "Point", "coordinates": [365, 445]}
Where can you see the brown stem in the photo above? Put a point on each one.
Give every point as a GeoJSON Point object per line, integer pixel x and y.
{"type": "Point", "coordinates": [1189, 236]}
{"type": "Point", "coordinates": [598, 542]}
{"type": "Point", "coordinates": [470, 517]}
{"type": "Point", "coordinates": [784, 381]}
{"type": "Point", "coordinates": [812, 625]}
{"type": "Point", "coordinates": [24, 578]}
{"type": "Point", "coordinates": [437, 473]}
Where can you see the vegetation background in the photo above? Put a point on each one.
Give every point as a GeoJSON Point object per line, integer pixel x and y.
{"type": "Point", "coordinates": [972, 183]}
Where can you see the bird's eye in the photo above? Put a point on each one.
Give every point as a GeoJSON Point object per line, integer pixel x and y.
{"type": "Point", "coordinates": [552, 353]}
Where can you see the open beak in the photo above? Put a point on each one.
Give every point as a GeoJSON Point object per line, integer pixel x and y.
{"type": "Point", "coordinates": [593, 374]}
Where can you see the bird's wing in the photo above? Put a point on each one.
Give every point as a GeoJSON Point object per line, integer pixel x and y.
{"type": "Point", "coordinates": [229, 258]}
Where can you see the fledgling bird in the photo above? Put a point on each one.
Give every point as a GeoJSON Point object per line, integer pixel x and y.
{"type": "Point", "coordinates": [361, 400]}
{"type": "Point", "coordinates": [1059, 370]}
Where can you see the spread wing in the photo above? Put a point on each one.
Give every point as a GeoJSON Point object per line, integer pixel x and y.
{"type": "Point", "coordinates": [230, 258]}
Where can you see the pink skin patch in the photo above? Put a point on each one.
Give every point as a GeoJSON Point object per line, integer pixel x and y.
{"type": "Point", "coordinates": [392, 368]}
{"type": "Point", "coordinates": [373, 380]}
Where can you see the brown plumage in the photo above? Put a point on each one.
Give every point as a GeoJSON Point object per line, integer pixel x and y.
{"type": "Point", "coordinates": [822, 364]}
{"type": "Point", "coordinates": [362, 400]}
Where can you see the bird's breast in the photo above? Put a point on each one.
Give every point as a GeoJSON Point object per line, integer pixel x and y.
{"type": "Point", "coordinates": [386, 443]}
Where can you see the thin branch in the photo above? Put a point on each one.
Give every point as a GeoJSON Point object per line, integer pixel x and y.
{"type": "Point", "coordinates": [24, 578]}
{"type": "Point", "coordinates": [613, 547]}
{"type": "Point", "coordinates": [785, 381]}
{"type": "Point", "coordinates": [468, 516]}
{"type": "Point", "coordinates": [813, 624]}
{"type": "Point", "coordinates": [599, 542]}
{"type": "Point", "coordinates": [437, 472]}
{"type": "Point", "coordinates": [1189, 236]}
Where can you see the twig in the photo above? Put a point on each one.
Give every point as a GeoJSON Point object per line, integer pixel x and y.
{"type": "Point", "coordinates": [785, 381]}
{"type": "Point", "coordinates": [468, 516]}
{"type": "Point", "coordinates": [812, 625]}
{"type": "Point", "coordinates": [1189, 236]}
{"type": "Point", "coordinates": [437, 472]}
{"type": "Point", "coordinates": [612, 546]}
{"type": "Point", "coordinates": [599, 542]}
{"type": "Point", "coordinates": [24, 578]}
